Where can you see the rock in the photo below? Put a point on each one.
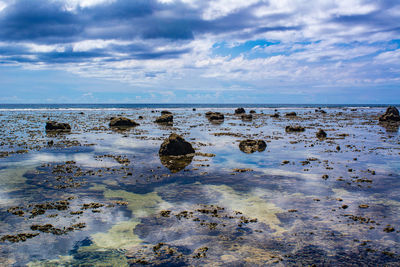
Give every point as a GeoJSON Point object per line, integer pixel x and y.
{"type": "Point", "coordinates": [247, 117]}
{"type": "Point", "coordinates": [57, 126]}
{"type": "Point", "coordinates": [391, 115]}
{"type": "Point", "coordinates": [240, 111]}
{"type": "Point", "coordinates": [215, 117]}
{"type": "Point", "coordinates": [122, 122]}
{"type": "Point", "coordinates": [291, 114]}
{"type": "Point", "coordinates": [250, 146]}
{"type": "Point", "coordinates": [175, 145]}
{"type": "Point", "coordinates": [252, 111]}
{"type": "Point", "coordinates": [276, 115]}
{"type": "Point", "coordinates": [296, 128]}
{"type": "Point", "coordinates": [193, 109]}
{"type": "Point", "coordinates": [166, 118]}
{"type": "Point", "coordinates": [165, 112]}
{"type": "Point", "coordinates": [140, 117]}
{"type": "Point", "coordinates": [321, 134]}
{"type": "Point", "coordinates": [320, 111]}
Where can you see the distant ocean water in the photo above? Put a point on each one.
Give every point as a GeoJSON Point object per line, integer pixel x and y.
{"type": "Point", "coordinates": [173, 106]}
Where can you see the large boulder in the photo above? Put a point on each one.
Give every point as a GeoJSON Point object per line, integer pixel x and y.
{"type": "Point", "coordinates": [250, 146]}
{"type": "Point", "coordinates": [122, 122]}
{"type": "Point", "coordinates": [391, 115]}
{"type": "Point", "coordinates": [52, 126]}
{"type": "Point", "coordinates": [175, 145]}
{"type": "Point", "coordinates": [240, 111]}
{"type": "Point", "coordinates": [166, 118]}
{"type": "Point", "coordinates": [165, 112]}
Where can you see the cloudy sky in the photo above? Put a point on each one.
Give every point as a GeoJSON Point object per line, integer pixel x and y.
{"type": "Point", "coordinates": [188, 51]}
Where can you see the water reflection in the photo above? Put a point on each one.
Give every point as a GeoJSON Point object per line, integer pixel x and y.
{"type": "Point", "coordinates": [176, 163]}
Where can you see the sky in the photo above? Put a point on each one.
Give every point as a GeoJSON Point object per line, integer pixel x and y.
{"type": "Point", "coordinates": [206, 51]}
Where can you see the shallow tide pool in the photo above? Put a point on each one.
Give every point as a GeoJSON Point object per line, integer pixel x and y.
{"type": "Point", "coordinates": [103, 197]}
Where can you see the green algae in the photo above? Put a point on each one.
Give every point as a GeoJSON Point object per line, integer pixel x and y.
{"type": "Point", "coordinates": [141, 205]}
{"type": "Point", "coordinates": [12, 179]}
{"type": "Point", "coordinates": [251, 205]}
{"type": "Point", "coordinates": [120, 236]}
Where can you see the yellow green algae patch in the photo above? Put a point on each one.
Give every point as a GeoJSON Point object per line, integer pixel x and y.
{"type": "Point", "coordinates": [141, 205]}
{"type": "Point", "coordinates": [12, 179]}
{"type": "Point", "coordinates": [250, 204]}
{"type": "Point", "coordinates": [61, 261]}
{"type": "Point", "coordinates": [120, 236]}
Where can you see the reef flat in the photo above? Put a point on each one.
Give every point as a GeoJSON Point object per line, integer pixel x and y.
{"type": "Point", "coordinates": [284, 186]}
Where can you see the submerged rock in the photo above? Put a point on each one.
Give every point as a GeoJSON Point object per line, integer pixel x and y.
{"type": "Point", "coordinates": [391, 115]}
{"type": "Point", "coordinates": [321, 134]}
{"type": "Point", "coordinates": [296, 128]}
{"type": "Point", "coordinates": [252, 111]}
{"type": "Point", "coordinates": [240, 111]}
{"type": "Point", "coordinates": [166, 118]}
{"type": "Point", "coordinates": [251, 146]}
{"type": "Point", "coordinates": [57, 126]}
{"type": "Point", "coordinates": [175, 145]}
{"type": "Point", "coordinates": [122, 122]}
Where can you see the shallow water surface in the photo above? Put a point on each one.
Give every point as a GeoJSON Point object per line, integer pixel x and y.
{"type": "Point", "coordinates": [100, 196]}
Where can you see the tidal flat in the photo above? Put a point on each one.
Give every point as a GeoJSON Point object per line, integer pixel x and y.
{"type": "Point", "coordinates": [95, 195]}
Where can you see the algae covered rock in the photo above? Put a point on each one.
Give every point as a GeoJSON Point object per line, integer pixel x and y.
{"type": "Point", "coordinates": [166, 118]}
{"type": "Point", "coordinates": [57, 126]}
{"type": "Point", "coordinates": [175, 145]}
{"type": "Point", "coordinates": [296, 128]}
{"type": "Point", "coordinates": [391, 115]}
{"type": "Point", "coordinates": [122, 122]}
{"type": "Point", "coordinates": [250, 146]}
{"type": "Point", "coordinates": [240, 111]}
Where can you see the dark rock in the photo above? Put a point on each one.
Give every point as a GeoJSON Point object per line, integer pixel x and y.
{"type": "Point", "coordinates": [252, 111]}
{"type": "Point", "coordinates": [321, 134]}
{"type": "Point", "coordinates": [166, 118]}
{"type": "Point", "coordinates": [391, 115]}
{"type": "Point", "coordinates": [194, 109]}
{"type": "Point", "coordinates": [140, 117]}
{"type": "Point", "coordinates": [276, 115]}
{"type": "Point", "coordinates": [291, 114]}
{"type": "Point", "coordinates": [175, 145]}
{"type": "Point", "coordinates": [165, 112]}
{"type": "Point", "coordinates": [215, 117]}
{"type": "Point", "coordinates": [296, 128]}
{"type": "Point", "coordinates": [240, 111]}
{"type": "Point", "coordinates": [247, 117]}
{"type": "Point", "coordinates": [250, 146]}
{"type": "Point", "coordinates": [122, 122]}
{"type": "Point", "coordinates": [57, 126]}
